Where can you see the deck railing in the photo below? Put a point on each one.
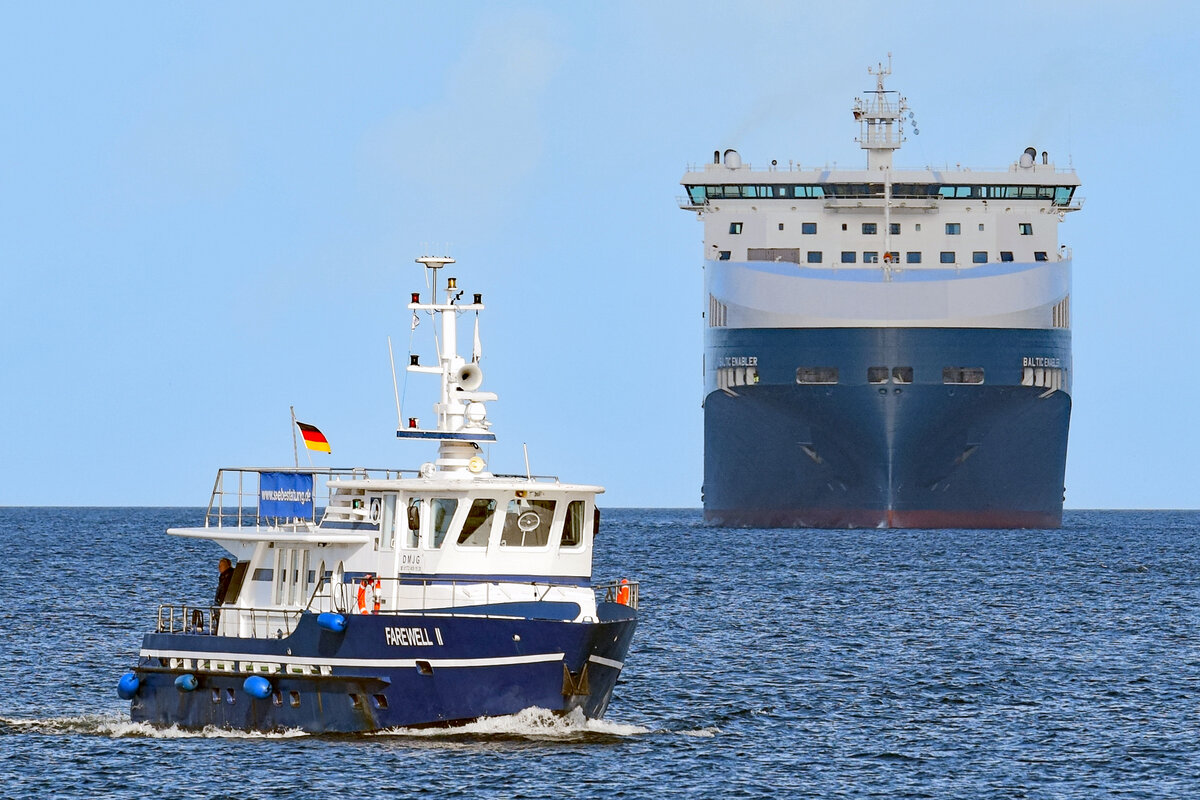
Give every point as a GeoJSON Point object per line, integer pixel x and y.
{"type": "Point", "coordinates": [424, 596]}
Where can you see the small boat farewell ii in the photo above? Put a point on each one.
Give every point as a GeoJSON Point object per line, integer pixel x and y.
{"type": "Point", "coordinates": [412, 598]}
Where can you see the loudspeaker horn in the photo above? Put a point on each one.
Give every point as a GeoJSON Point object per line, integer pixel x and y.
{"type": "Point", "coordinates": [470, 377]}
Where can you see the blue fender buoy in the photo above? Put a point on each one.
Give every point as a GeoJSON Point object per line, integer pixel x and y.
{"type": "Point", "coordinates": [330, 621]}
{"type": "Point", "coordinates": [186, 683]}
{"type": "Point", "coordinates": [128, 685]}
{"type": "Point", "coordinates": [257, 686]}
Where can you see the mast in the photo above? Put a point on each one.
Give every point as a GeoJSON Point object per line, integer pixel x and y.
{"type": "Point", "coordinates": [880, 119]}
{"type": "Point", "coordinates": [462, 422]}
{"type": "Point", "coordinates": [881, 122]}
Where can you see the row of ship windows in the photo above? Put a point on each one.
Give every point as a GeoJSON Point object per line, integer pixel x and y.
{"type": "Point", "coordinates": [872, 228]}
{"type": "Point", "coordinates": [1059, 195]}
{"type": "Point", "coordinates": [868, 257]}
{"type": "Point", "coordinates": [829, 375]}
{"type": "Point", "coordinates": [1048, 377]}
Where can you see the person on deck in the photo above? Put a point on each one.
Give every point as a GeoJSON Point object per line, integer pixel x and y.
{"type": "Point", "coordinates": [226, 568]}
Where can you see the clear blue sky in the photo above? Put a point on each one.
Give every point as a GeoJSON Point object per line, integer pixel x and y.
{"type": "Point", "coordinates": [209, 211]}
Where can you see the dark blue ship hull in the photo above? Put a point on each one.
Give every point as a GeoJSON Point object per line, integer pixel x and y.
{"type": "Point", "coordinates": [443, 670]}
{"type": "Point", "coordinates": [925, 454]}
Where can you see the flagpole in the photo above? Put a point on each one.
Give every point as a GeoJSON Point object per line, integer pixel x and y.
{"type": "Point", "coordinates": [295, 452]}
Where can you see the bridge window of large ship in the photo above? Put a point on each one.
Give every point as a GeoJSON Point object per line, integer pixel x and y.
{"type": "Point", "coordinates": [869, 228]}
{"type": "Point", "coordinates": [1026, 228]}
{"type": "Point", "coordinates": [912, 258]}
{"type": "Point", "coordinates": [870, 257]}
{"type": "Point", "coordinates": [527, 523]}
{"type": "Point", "coordinates": [814, 256]}
{"type": "Point", "coordinates": [962, 375]}
{"type": "Point", "coordinates": [1006, 255]}
{"type": "Point", "coordinates": [902, 374]}
{"type": "Point", "coordinates": [1039, 255]}
{"type": "Point", "coordinates": [806, 227]}
{"type": "Point", "coordinates": [817, 375]}
{"type": "Point", "coordinates": [723, 255]}
{"type": "Point", "coordinates": [979, 257]}
{"type": "Point", "coordinates": [877, 374]}
{"type": "Point", "coordinates": [735, 227]}
{"type": "Point", "coordinates": [953, 229]}
{"type": "Point", "coordinates": [478, 525]}
{"type": "Point", "coordinates": [441, 511]}
{"type": "Point", "coordinates": [894, 228]}
{"type": "Point", "coordinates": [572, 535]}
{"type": "Point", "coordinates": [849, 256]}
{"type": "Point", "coordinates": [948, 257]}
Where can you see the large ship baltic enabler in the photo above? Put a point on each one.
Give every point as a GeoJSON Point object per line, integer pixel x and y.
{"type": "Point", "coordinates": [885, 347]}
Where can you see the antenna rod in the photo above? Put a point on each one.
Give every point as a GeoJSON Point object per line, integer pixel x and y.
{"type": "Point", "coordinates": [395, 387]}
{"type": "Point", "coordinates": [525, 447]}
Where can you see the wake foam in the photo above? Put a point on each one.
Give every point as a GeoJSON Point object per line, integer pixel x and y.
{"type": "Point", "coordinates": [117, 727]}
{"type": "Point", "coordinates": [532, 723]}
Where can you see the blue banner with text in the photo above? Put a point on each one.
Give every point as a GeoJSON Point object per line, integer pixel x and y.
{"type": "Point", "coordinates": [285, 494]}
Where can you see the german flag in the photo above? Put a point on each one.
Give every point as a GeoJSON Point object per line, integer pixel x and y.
{"type": "Point", "coordinates": [313, 438]}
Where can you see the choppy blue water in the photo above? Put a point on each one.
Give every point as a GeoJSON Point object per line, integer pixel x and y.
{"type": "Point", "coordinates": [947, 664]}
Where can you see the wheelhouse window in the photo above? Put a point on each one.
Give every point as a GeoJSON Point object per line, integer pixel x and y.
{"type": "Point", "coordinates": [527, 523]}
{"type": "Point", "coordinates": [817, 375]}
{"type": "Point", "coordinates": [849, 256]}
{"type": "Point", "coordinates": [953, 229]}
{"type": "Point", "coordinates": [806, 227]}
{"type": "Point", "coordinates": [814, 256]}
{"type": "Point", "coordinates": [572, 535]}
{"type": "Point", "coordinates": [723, 255]}
{"type": "Point", "coordinates": [979, 257]}
{"type": "Point", "coordinates": [414, 522]}
{"type": "Point", "coordinates": [870, 257]}
{"type": "Point", "coordinates": [1040, 255]}
{"type": "Point", "coordinates": [894, 228]}
{"type": "Point", "coordinates": [947, 257]}
{"type": "Point", "coordinates": [441, 513]}
{"type": "Point", "coordinates": [869, 228]}
{"type": "Point", "coordinates": [962, 375]}
{"type": "Point", "coordinates": [1006, 255]}
{"type": "Point", "coordinates": [478, 524]}
{"type": "Point", "coordinates": [912, 257]}
{"type": "Point", "coordinates": [735, 227]}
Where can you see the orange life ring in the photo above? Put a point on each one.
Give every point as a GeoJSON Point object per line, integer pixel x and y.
{"type": "Point", "coordinates": [362, 597]}
{"type": "Point", "coordinates": [377, 594]}
{"type": "Point", "coordinates": [887, 258]}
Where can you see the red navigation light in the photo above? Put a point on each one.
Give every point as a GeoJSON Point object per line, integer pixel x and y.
{"type": "Point", "coordinates": [412, 422]}
{"type": "Point", "coordinates": [416, 297]}
{"type": "Point", "coordinates": [478, 299]}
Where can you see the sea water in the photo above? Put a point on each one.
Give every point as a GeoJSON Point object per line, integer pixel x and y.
{"type": "Point", "coordinates": [767, 663]}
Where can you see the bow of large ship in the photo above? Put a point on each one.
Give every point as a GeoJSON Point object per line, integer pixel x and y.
{"type": "Point", "coordinates": [885, 347]}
